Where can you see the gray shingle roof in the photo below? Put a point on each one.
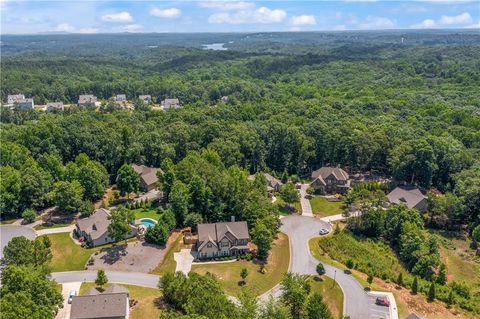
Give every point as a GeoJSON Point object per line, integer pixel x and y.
{"type": "Point", "coordinates": [147, 174]}
{"type": "Point", "coordinates": [272, 181]}
{"type": "Point", "coordinates": [87, 98]}
{"type": "Point", "coordinates": [408, 197]}
{"type": "Point", "coordinates": [104, 305]}
{"type": "Point", "coordinates": [96, 224]}
{"type": "Point", "coordinates": [216, 231]}
{"type": "Point", "coordinates": [326, 171]}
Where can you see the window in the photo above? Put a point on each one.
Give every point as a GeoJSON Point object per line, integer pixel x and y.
{"type": "Point", "coordinates": [209, 245]}
{"type": "Point", "coordinates": [225, 244]}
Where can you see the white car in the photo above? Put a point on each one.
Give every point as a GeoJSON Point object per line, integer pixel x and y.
{"type": "Point", "coordinates": [323, 231]}
{"type": "Point", "coordinates": [72, 294]}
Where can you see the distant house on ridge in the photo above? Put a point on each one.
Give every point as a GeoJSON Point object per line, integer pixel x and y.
{"type": "Point", "coordinates": [87, 100]}
{"type": "Point", "coordinates": [148, 176]}
{"type": "Point", "coordinates": [147, 99]}
{"type": "Point", "coordinates": [170, 104]}
{"type": "Point", "coordinates": [52, 106]}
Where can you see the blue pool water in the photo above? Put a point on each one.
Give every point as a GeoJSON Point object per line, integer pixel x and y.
{"type": "Point", "coordinates": [147, 222]}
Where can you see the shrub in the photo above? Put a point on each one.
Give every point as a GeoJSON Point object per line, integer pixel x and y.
{"type": "Point", "coordinates": [157, 234]}
{"type": "Point", "coordinates": [29, 215]}
{"type": "Point", "coordinates": [461, 289]}
{"type": "Point", "coordinates": [349, 264]}
{"type": "Point", "coordinates": [320, 269]}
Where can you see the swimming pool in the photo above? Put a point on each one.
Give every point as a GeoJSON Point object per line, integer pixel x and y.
{"type": "Point", "coordinates": [148, 222]}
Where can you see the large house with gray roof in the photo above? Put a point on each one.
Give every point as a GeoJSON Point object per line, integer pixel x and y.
{"type": "Point", "coordinates": [87, 100]}
{"type": "Point", "coordinates": [330, 180]}
{"type": "Point", "coordinates": [147, 99]}
{"type": "Point", "coordinates": [148, 176]}
{"type": "Point", "coordinates": [112, 303]}
{"type": "Point", "coordinates": [222, 239]}
{"type": "Point", "coordinates": [412, 198]}
{"type": "Point", "coordinates": [170, 104]}
{"type": "Point", "coordinates": [53, 106]}
{"type": "Point", "coordinates": [94, 229]}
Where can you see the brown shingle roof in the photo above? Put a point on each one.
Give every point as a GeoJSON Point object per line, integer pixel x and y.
{"type": "Point", "coordinates": [147, 174]}
{"type": "Point", "coordinates": [215, 232]}
{"type": "Point", "coordinates": [408, 197]}
{"type": "Point", "coordinates": [326, 171]}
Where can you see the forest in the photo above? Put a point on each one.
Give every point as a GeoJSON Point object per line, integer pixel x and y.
{"type": "Point", "coordinates": [295, 103]}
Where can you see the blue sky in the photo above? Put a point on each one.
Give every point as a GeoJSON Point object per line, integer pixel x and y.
{"type": "Point", "coordinates": [80, 16]}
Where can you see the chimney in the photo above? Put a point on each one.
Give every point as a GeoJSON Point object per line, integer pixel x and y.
{"type": "Point", "coordinates": [232, 218]}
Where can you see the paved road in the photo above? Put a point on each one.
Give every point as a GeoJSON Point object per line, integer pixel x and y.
{"type": "Point", "coordinates": [119, 277]}
{"type": "Point", "coordinates": [7, 232]}
{"type": "Point", "coordinates": [304, 202]}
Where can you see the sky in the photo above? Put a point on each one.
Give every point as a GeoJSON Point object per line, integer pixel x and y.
{"type": "Point", "coordinates": [81, 16]}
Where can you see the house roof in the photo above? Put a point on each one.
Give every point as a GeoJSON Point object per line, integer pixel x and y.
{"type": "Point", "coordinates": [55, 105]}
{"type": "Point", "coordinates": [101, 305]}
{"type": "Point", "coordinates": [170, 102]}
{"type": "Point", "coordinates": [121, 98]}
{"type": "Point", "coordinates": [87, 98]}
{"type": "Point", "coordinates": [326, 171]}
{"type": "Point", "coordinates": [145, 97]}
{"type": "Point", "coordinates": [411, 198]}
{"type": "Point", "coordinates": [217, 231]}
{"type": "Point", "coordinates": [147, 174]}
{"type": "Point", "coordinates": [272, 181]}
{"type": "Point", "coordinates": [14, 98]}
{"type": "Point", "coordinates": [96, 224]}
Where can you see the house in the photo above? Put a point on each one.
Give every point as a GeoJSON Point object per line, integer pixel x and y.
{"type": "Point", "coordinates": [52, 106]}
{"type": "Point", "coordinates": [87, 100]}
{"type": "Point", "coordinates": [170, 104]}
{"type": "Point", "coordinates": [330, 180]}
{"type": "Point", "coordinates": [412, 198]}
{"type": "Point", "coordinates": [273, 184]}
{"type": "Point", "coordinates": [147, 99]}
{"type": "Point", "coordinates": [112, 303]}
{"type": "Point", "coordinates": [148, 176]}
{"type": "Point", "coordinates": [222, 239]}
{"type": "Point", "coordinates": [24, 105]}
{"type": "Point", "coordinates": [15, 98]}
{"type": "Point", "coordinates": [121, 99]}
{"type": "Point", "coordinates": [95, 228]}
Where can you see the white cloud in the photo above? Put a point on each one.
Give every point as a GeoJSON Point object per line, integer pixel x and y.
{"type": "Point", "coordinates": [340, 27]}
{"type": "Point", "coordinates": [373, 22]}
{"type": "Point", "coordinates": [65, 27]}
{"type": "Point", "coordinates": [132, 27]}
{"type": "Point", "coordinates": [473, 26]}
{"type": "Point", "coordinates": [227, 5]}
{"type": "Point", "coordinates": [166, 13]}
{"type": "Point", "coordinates": [303, 20]}
{"type": "Point", "coordinates": [260, 15]}
{"type": "Point", "coordinates": [461, 19]}
{"type": "Point", "coordinates": [123, 16]}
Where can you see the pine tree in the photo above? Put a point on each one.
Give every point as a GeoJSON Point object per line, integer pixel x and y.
{"type": "Point", "coordinates": [450, 300]}
{"type": "Point", "coordinates": [400, 279]}
{"type": "Point", "coordinates": [442, 275]}
{"type": "Point", "coordinates": [431, 293]}
{"type": "Point", "coordinates": [101, 278]}
{"type": "Point", "coordinates": [415, 286]}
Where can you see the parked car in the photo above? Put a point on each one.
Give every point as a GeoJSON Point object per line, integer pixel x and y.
{"type": "Point", "coordinates": [298, 185]}
{"type": "Point", "coordinates": [323, 231]}
{"type": "Point", "coordinates": [72, 294]}
{"type": "Point", "coordinates": [382, 301]}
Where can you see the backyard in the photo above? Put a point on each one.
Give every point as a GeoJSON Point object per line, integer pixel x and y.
{"type": "Point", "coordinates": [146, 213]}
{"type": "Point", "coordinates": [168, 264]}
{"type": "Point", "coordinates": [229, 273]}
{"type": "Point", "coordinates": [323, 207]}
{"type": "Point", "coordinates": [146, 297]}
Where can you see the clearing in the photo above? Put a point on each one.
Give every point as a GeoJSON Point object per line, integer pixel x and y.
{"type": "Point", "coordinates": [228, 274]}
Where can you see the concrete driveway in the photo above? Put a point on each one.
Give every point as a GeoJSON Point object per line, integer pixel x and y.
{"type": "Point", "coordinates": [304, 202]}
{"type": "Point", "coordinates": [7, 232]}
{"type": "Point", "coordinates": [46, 231]}
{"type": "Point", "coordinates": [64, 313]}
{"type": "Point", "coordinates": [184, 261]}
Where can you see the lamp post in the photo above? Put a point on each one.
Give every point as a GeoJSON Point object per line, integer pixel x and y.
{"type": "Point", "coordinates": [334, 277]}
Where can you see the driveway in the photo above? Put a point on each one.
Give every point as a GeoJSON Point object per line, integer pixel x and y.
{"type": "Point", "coordinates": [149, 196]}
{"type": "Point", "coordinates": [64, 313]}
{"type": "Point", "coordinates": [184, 261]}
{"type": "Point", "coordinates": [119, 277]}
{"type": "Point", "coordinates": [304, 202]}
{"type": "Point", "coordinates": [7, 232]}
{"type": "Point", "coordinates": [46, 231]}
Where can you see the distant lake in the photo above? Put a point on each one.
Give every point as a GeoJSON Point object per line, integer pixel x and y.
{"type": "Point", "coordinates": [214, 46]}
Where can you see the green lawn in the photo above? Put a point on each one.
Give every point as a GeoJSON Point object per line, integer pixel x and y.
{"type": "Point", "coordinates": [168, 264]}
{"type": "Point", "coordinates": [323, 207]}
{"type": "Point", "coordinates": [7, 221]}
{"type": "Point", "coordinates": [42, 226]}
{"type": "Point", "coordinates": [146, 297]}
{"type": "Point", "coordinates": [332, 294]}
{"type": "Point", "coordinates": [146, 213]}
{"type": "Point", "coordinates": [67, 255]}
{"type": "Point", "coordinates": [228, 274]}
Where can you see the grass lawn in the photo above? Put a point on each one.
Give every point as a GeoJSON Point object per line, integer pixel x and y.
{"type": "Point", "coordinates": [145, 308]}
{"type": "Point", "coordinates": [168, 264]}
{"type": "Point", "coordinates": [146, 213]}
{"type": "Point", "coordinates": [332, 294]}
{"type": "Point", "coordinates": [282, 206]}
{"type": "Point", "coordinates": [67, 255]}
{"type": "Point", "coordinates": [323, 207]}
{"type": "Point", "coordinates": [228, 274]}
{"type": "Point", "coordinates": [7, 221]}
{"type": "Point", "coordinates": [40, 227]}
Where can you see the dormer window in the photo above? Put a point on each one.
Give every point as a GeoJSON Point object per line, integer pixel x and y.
{"type": "Point", "coordinates": [94, 227]}
{"type": "Point", "coordinates": [209, 245]}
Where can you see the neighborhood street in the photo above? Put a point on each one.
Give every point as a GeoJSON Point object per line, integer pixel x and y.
{"type": "Point", "coordinates": [120, 277]}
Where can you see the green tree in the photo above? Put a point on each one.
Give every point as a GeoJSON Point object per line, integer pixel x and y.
{"type": "Point", "coordinates": [92, 176]}
{"type": "Point", "coordinates": [168, 177]}
{"type": "Point", "coordinates": [316, 308]}
{"type": "Point", "coordinates": [10, 185]}
{"type": "Point", "coordinates": [101, 279]}
{"type": "Point", "coordinates": [248, 305]}
{"type": "Point", "coordinates": [244, 274]}
{"type": "Point", "coordinates": [179, 200]}
{"type": "Point", "coordinates": [400, 279]}
{"type": "Point", "coordinates": [200, 195]}
{"type": "Point", "coordinates": [18, 251]}
{"type": "Point", "coordinates": [442, 275]}
{"type": "Point", "coordinates": [29, 215]}
{"type": "Point", "coordinates": [35, 186]}
{"type": "Point", "coordinates": [157, 234]}
{"type": "Point", "coordinates": [289, 193]}
{"type": "Point", "coordinates": [121, 219]}
{"type": "Point", "coordinates": [295, 291]}
{"type": "Point", "coordinates": [450, 299]}
{"type": "Point", "coordinates": [192, 220]}
{"type": "Point", "coordinates": [370, 279]}
{"type": "Point", "coordinates": [320, 269]}
{"type": "Point", "coordinates": [86, 208]}
{"type": "Point", "coordinates": [262, 238]}
{"type": "Point", "coordinates": [415, 285]}
{"type": "Point", "coordinates": [274, 309]}
{"type": "Point", "coordinates": [68, 196]}
{"type": "Point", "coordinates": [431, 292]}
{"type": "Point", "coordinates": [168, 217]}
{"type": "Point", "coordinates": [349, 264]}
{"type": "Point", "coordinates": [476, 234]}
{"type": "Point", "coordinates": [128, 180]}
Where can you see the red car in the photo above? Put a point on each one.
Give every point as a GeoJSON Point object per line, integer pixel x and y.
{"type": "Point", "coordinates": [382, 301]}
